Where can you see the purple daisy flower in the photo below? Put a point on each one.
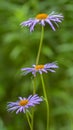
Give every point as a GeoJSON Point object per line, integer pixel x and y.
{"type": "Point", "coordinates": [40, 68]}
{"type": "Point", "coordinates": [24, 103]}
{"type": "Point", "coordinates": [42, 19]}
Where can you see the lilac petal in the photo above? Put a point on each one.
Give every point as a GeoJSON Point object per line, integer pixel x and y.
{"type": "Point", "coordinates": [19, 110]}
{"type": "Point", "coordinates": [51, 65]}
{"type": "Point", "coordinates": [54, 15]}
{"type": "Point", "coordinates": [51, 70]}
{"type": "Point", "coordinates": [40, 71]}
{"type": "Point", "coordinates": [26, 106]}
{"type": "Point", "coordinates": [42, 22]}
{"type": "Point", "coordinates": [11, 104]}
{"type": "Point", "coordinates": [24, 98]}
{"type": "Point", "coordinates": [30, 104]}
{"type": "Point", "coordinates": [29, 97]}
{"type": "Point", "coordinates": [27, 23]}
{"type": "Point", "coordinates": [34, 73]}
{"type": "Point", "coordinates": [13, 108]}
{"type": "Point", "coordinates": [36, 103]}
{"type": "Point", "coordinates": [27, 70]}
{"type": "Point", "coordinates": [33, 24]}
{"type": "Point", "coordinates": [50, 23]}
{"type": "Point", "coordinates": [44, 70]}
{"type": "Point", "coordinates": [56, 20]}
{"type": "Point", "coordinates": [25, 73]}
{"type": "Point", "coordinates": [33, 97]}
{"type": "Point", "coordinates": [33, 65]}
{"type": "Point", "coordinates": [20, 98]}
{"type": "Point", "coordinates": [36, 98]}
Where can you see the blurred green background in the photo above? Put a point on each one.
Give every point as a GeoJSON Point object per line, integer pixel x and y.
{"type": "Point", "coordinates": [18, 48]}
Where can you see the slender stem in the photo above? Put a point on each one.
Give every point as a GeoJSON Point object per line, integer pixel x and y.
{"type": "Point", "coordinates": [29, 114]}
{"type": "Point", "coordinates": [34, 85]}
{"type": "Point", "coordinates": [32, 118]}
{"type": "Point", "coordinates": [34, 91]}
{"type": "Point", "coordinates": [46, 99]}
{"type": "Point", "coordinates": [29, 121]}
{"type": "Point", "coordinates": [37, 60]}
{"type": "Point", "coordinates": [40, 46]}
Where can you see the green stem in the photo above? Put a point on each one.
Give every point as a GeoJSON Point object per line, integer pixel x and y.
{"type": "Point", "coordinates": [46, 99]}
{"type": "Point", "coordinates": [34, 91]}
{"type": "Point", "coordinates": [34, 85]}
{"type": "Point", "coordinates": [40, 46]}
{"type": "Point", "coordinates": [29, 121]}
{"type": "Point", "coordinates": [29, 114]}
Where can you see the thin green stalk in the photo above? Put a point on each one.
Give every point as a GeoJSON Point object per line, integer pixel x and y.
{"type": "Point", "coordinates": [34, 91]}
{"type": "Point", "coordinates": [40, 46]}
{"type": "Point", "coordinates": [46, 99]}
{"type": "Point", "coordinates": [32, 120]}
{"type": "Point", "coordinates": [29, 121]}
{"type": "Point", "coordinates": [29, 114]}
{"type": "Point", "coordinates": [34, 85]}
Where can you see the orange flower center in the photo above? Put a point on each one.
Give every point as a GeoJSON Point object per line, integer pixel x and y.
{"type": "Point", "coordinates": [41, 16]}
{"type": "Point", "coordinates": [38, 67]}
{"type": "Point", "coordinates": [23, 102]}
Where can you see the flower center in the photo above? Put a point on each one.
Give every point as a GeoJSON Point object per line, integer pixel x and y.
{"type": "Point", "coordinates": [38, 67]}
{"type": "Point", "coordinates": [23, 102]}
{"type": "Point", "coordinates": [41, 16]}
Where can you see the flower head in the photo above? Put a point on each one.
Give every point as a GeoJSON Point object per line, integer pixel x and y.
{"type": "Point", "coordinates": [42, 19]}
{"type": "Point", "coordinates": [24, 103]}
{"type": "Point", "coordinates": [40, 68]}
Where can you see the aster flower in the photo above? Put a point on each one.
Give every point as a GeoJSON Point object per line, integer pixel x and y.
{"type": "Point", "coordinates": [42, 19]}
{"type": "Point", "coordinates": [24, 103]}
{"type": "Point", "coordinates": [40, 68]}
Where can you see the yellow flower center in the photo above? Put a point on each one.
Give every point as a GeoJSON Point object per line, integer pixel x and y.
{"type": "Point", "coordinates": [38, 67]}
{"type": "Point", "coordinates": [23, 102]}
{"type": "Point", "coordinates": [41, 16]}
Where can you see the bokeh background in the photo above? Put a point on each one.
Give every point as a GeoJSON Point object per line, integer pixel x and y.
{"type": "Point", "coordinates": [18, 48]}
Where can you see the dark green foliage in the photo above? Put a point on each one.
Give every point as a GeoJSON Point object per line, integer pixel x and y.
{"type": "Point", "coordinates": [18, 48]}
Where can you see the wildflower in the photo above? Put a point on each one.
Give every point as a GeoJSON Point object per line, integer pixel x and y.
{"type": "Point", "coordinates": [42, 19]}
{"type": "Point", "coordinates": [40, 68]}
{"type": "Point", "coordinates": [24, 103]}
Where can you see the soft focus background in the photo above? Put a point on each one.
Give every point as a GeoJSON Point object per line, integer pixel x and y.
{"type": "Point", "coordinates": [18, 48]}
